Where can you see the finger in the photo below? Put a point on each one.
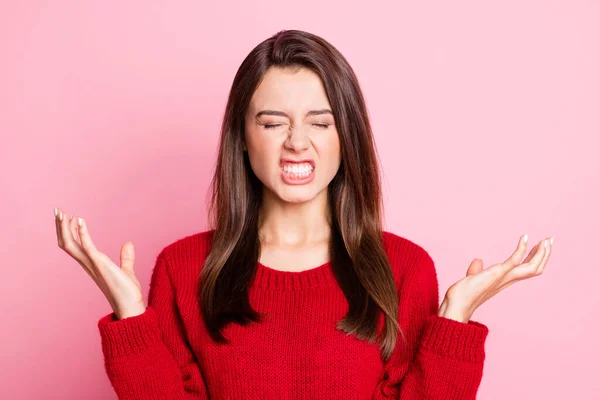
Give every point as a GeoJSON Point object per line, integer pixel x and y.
{"type": "Point", "coordinates": [68, 243]}
{"type": "Point", "coordinates": [475, 267]}
{"type": "Point", "coordinates": [527, 269]}
{"type": "Point", "coordinates": [540, 269]}
{"type": "Point", "coordinates": [531, 254]}
{"type": "Point", "coordinates": [86, 240]}
{"type": "Point", "coordinates": [532, 265]}
{"type": "Point", "coordinates": [57, 226]}
{"type": "Point", "coordinates": [63, 231]}
{"type": "Point", "coordinates": [519, 273]}
{"type": "Point", "coordinates": [73, 229]}
{"type": "Point", "coordinates": [516, 257]}
{"type": "Point", "coordinates": [128, 256]}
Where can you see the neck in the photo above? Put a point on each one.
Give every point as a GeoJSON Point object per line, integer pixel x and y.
{"type": "Point", "coordinates": [294, 224]}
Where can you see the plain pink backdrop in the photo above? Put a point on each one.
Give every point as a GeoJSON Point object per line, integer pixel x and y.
{"type": "Point", "coordinates": [486, 116]}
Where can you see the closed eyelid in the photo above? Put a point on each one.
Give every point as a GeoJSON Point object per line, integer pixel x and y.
{"type": "Point", "coordinates": [288, 123]}
{"type": "Point", "coordinates": [284, 120]}
{"type": "Point", "coordinates": [270, 122]}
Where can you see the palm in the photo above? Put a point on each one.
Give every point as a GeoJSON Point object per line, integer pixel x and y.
{"type": "Point", "coordinates": [118, 283]}
{"type": "Point", "coordinates": [481, 284]}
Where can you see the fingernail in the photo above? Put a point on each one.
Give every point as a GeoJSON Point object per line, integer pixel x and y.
{"type": "Point", "coordinates": [80, 221]}
{"type": "Point", "coordinates": [70, 217]}
{"type": "Point", "coordinates": [55, 211]}
{"type": "Point", "coordinates": [60, 215]}
{"type": "Point", "coordinates": [525, 238]}
{"type": "Point", "coordinates": [552, 241]}
{"type": "Point", "coordinates": [546, 243]}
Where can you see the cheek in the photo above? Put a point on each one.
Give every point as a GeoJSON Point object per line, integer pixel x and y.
{"type": "Point", "coordinates": [331, 153]}
{"type": "Point", "coordinates": [257, 161]}
{"type": "Point", "coordinates": [263, 157]}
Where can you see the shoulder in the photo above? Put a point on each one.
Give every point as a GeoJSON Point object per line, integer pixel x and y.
{"type": "Point", "coordinates": [408, 259]}
{"type": "Point", "coordinates": [187, 254]}
{"type": "Point", "coordinates": [197, 242]}
{"type": "Point", "coordinates": [402, 250]}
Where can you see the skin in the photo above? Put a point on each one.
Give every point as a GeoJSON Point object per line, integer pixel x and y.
{"type": "Point", "coordinates": [118, 283]}
{"type": "Point", "coordinates": [294, 220]}
{"type": "Point", "coordinates": [466, 295]}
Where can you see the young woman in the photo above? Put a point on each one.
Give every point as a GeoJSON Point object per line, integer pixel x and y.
{"type": "Point", "coordinates": [296, 292]}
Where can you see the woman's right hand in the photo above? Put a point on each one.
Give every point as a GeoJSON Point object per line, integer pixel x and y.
{"type": "Point", "coordinates": [119, 284]}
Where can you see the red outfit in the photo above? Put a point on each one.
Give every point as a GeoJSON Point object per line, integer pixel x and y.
{"type": "Point", "coordinates": [297, 352]}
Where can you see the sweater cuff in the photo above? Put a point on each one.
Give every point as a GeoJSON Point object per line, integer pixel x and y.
{"type": "Point", "coordinates": [122, 337]}
{"type": "Point", "coordinates": [459, 340]}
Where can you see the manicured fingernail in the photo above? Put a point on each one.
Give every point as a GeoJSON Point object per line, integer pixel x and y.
{"type": "Point", "coordinates": [525, 238]}
{"type": "Point", "coordinates": [546, 243]}
{"type": "Point", "coordinates": [60, 215]}
{"type": "Point", "coordinates": [55, 211]}
{"type": "Point", "coordinates": [80, 221]}
{"type": "Point", "coordinates": [552, 241]}
{"type": "Point", "coordinates": [70, 217]}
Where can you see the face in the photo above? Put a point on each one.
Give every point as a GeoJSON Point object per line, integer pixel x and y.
{"type": "Point", "coordinates": [290, 135]}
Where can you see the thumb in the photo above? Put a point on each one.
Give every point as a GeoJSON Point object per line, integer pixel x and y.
{"type": "Point", "coordinates": [127, 256]}
{"type": "Point", "coordinates": [475, 267]}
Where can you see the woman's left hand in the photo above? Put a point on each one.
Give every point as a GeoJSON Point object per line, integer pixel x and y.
{"type": "Point", "coordinates": [463, 297]}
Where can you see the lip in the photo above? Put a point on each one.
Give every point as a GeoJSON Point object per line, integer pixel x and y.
{"type": "Point", "coordinates": [284, 161]}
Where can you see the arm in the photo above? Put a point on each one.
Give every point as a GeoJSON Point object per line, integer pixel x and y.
{"type": "Point", "coordinates": [443, 358]}
{"type": "Point", "coordinates": [147, 356]}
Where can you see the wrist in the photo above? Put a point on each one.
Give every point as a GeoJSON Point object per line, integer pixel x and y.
{"type": "Point", "coordinates": [131, 311]}
{"type": "Point", "coordinates": [455, 316]}
{"type": "Point", "coordinates": [450, 311]}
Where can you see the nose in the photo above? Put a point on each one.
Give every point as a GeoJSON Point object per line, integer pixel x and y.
{"type": "Point", "coordinates": [297, 140]}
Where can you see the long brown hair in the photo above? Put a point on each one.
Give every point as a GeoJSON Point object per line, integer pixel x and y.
{"type": "Point", "coordinates": [358, 259]}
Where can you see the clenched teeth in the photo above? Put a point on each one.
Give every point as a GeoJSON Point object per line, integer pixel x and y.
{"type": "Point", "coordinates": [298, 168]}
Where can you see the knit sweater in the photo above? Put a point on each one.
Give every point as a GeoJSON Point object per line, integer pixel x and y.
{"type": "Point", "coordinates": [297, 352]}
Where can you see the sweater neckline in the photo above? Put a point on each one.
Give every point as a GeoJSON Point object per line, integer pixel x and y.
{"type": "Point", "coordinates": [320, 276]}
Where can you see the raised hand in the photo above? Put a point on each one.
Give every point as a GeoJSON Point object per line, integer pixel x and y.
{"type": "Point", "coordinates": [463, 297]}
{"type": "Point", "coordinates": [119, 284]}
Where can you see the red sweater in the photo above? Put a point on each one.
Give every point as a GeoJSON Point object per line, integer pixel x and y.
{"type": "Point", "coordinates": [297, 353]}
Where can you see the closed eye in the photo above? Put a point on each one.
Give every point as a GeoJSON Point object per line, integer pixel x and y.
{"type": "Point", "coordinates": [272, 126]}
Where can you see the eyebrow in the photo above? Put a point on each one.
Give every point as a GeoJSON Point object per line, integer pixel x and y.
{"type": "Point", "coordinates": [282, 114]}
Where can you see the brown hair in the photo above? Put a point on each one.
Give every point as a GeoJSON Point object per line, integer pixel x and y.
{"type": "Point", "coordinates": [358, 259]}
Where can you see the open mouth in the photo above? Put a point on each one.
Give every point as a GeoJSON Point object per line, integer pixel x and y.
{"type": "Point", "coordinates": [297, 173]}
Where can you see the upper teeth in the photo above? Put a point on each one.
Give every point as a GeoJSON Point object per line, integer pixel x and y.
{"type": "Point", "coordinates": [298, 168]}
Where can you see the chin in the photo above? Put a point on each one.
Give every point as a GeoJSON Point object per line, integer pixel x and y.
{"type": "Point", "coordinates": [295, 198]}
{"type": "Point", "coordinates": [294, 194]}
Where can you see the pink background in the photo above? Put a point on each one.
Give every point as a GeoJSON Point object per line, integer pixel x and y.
{"type": "Point", "coordinates": [486, 118]}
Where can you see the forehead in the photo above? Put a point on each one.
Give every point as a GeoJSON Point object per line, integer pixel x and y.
{"type": "Point", "coordinates": [287, 88]}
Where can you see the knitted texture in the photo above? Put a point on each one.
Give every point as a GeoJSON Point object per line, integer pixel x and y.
{"type": "Point", "coordinates": [296, 352]}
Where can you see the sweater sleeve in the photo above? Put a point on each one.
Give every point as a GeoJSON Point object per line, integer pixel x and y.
{"type": "Point", "coordinates": [442, 358]}
{"type": "Point", "coordinates": [147, 356]}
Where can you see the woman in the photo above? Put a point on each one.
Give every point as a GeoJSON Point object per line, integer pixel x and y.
{"type": "Point", "coordinates": [296, 292]}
